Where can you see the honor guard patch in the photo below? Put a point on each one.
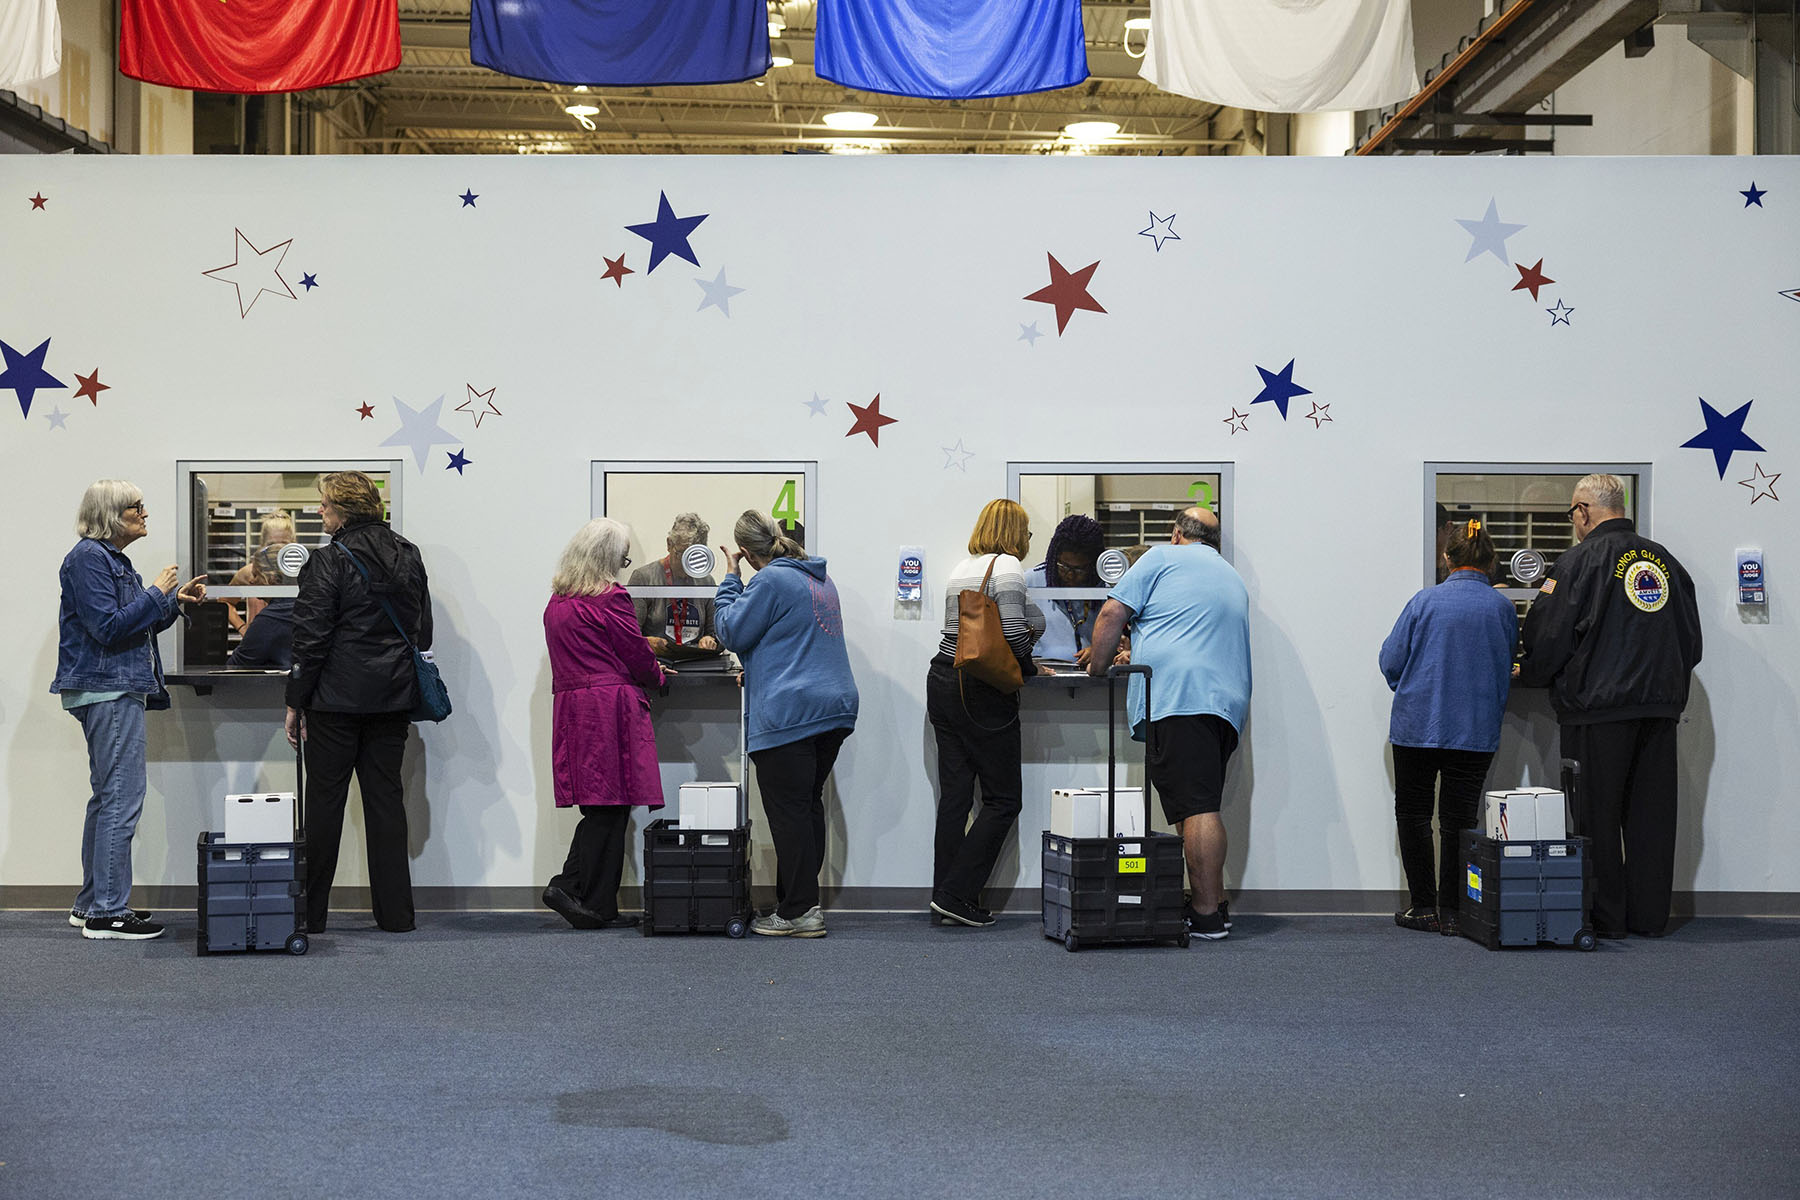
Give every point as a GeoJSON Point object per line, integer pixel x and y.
{"type": "Point", "coordinates": [1646, 586]}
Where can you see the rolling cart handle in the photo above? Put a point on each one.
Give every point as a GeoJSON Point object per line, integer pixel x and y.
{"type": "Point", "coordinates": [300, 789]}
{"type": "Point", "coordinates": [1112, 758]}
{"type": "Point", "coordinates": [1573, 797]}
{"type": "Point", "coordinates": [743, 806]}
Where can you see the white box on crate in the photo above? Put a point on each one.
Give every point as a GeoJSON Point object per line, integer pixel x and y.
{"type": "Point", "coordinates": [1081, 812]}
{"type": "Point", "coordinates": [260, 817]}
{"type": "Point", "coordinates": [707, 806]}
{"type": "Point", "coordinates": [1525, 815]}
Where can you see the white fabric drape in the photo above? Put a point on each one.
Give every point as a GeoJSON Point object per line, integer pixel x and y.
{"type": "Point", "coordinates": [30, 41]}
{"type": "Point", "coordinates": [1283, 55]}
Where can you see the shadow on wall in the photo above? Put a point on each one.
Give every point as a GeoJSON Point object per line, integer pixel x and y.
{"type": "Point", "coordinates": [1696, 746]}
{"type": "Point", "coordinates": [48, 804]}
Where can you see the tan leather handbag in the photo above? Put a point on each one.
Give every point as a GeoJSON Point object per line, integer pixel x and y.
{"type": "Point", "coordinates": [981, 647]}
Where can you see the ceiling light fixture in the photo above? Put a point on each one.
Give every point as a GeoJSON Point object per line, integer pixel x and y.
{"type": "Point", "coordinates": [851, 119]}
{"type": "Point", "coordinates": [781, 60]}
{"type": "Point", "coordinates": [582, 113]}
{"type": "Point", "coordinates": [1134, 25]}
{"type": "Point", "coordinates": [1090, 132]}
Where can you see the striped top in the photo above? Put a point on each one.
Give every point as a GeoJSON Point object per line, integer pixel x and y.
{"type": "Point", "coordinates": [1021, 621]}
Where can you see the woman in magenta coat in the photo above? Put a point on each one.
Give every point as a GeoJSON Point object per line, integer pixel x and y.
{"type": "Point", "coordinates": [602, 747]}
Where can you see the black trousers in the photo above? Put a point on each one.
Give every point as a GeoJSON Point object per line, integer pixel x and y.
{"type": "Point", "coordinates": [372, 745]}
{"type": "Point", "coordinates": [1453, 779]}
{"type": "Point", "coordinates": [1626, 805]}
{"type": "Point", "coordinates": [596, 861]}
{"type": "Point", "coordinates": [978, 738]}
{"type": "Point", "coordinates": [792, 780]}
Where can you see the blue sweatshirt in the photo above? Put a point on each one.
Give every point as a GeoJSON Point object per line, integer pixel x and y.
{"type": "Point", "coordinates": [788, 629]}
{"type": "Point", "coordinates": [1449, 662]}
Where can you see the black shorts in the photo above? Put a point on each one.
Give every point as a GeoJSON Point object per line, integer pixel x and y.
{"type": "Point", "coordinates": [1186, 763]}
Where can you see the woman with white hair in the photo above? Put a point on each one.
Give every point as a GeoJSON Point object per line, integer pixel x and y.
{"type": "Point", "coordinates": [676, 622]}
{"type": "Point", "coordinates": [602, 746]}
{"type": "Point", "coordinates": [108, 672]}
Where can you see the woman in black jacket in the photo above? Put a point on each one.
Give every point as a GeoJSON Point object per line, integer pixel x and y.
{"type": "Point", "coordinates": [351, 688]}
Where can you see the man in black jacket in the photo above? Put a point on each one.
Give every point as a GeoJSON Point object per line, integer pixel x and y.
{"type": "Point", "coordinates": [1615, 635]}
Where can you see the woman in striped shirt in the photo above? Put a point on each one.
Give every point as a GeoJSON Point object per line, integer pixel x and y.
{"type": "Point", "coordinates": [977, 726]}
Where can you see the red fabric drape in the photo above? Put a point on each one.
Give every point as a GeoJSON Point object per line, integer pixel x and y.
{"type": "Point", "coordinates": [257, 45]}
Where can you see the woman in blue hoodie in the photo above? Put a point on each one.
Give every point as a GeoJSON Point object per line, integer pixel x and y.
{"type": "Point", "coordinates": [1449, 662]}
{"type": "Point", "coordinates": [800, 702]}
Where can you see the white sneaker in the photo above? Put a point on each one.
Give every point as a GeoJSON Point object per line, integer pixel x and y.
{"type": "Point", "coordinates": [810, 924]}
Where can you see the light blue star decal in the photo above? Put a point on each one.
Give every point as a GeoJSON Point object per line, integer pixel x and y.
{"type": "Point", "coordinates": [1489, 234]}
{"type": "Point", "coordinates": [1162, 229]}
{"type": "Point", "coordinates": [956, 456]}
{"type": "Point", "coordinates": [817, 405]}
{"type": "Point", "coordinates": [419, 430]}
{"type": "Point", "coordinates": [718, 293]}
{"type": "Point", "coordinates": [1029, 334]}
{"type": "Point", "coordinates": [58, 419]}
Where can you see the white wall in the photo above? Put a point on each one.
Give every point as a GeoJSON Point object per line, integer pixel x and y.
{"type": "Point", "coordinates": [904, 277]}
{"type": "Point", "coordinates": [1678, 99]}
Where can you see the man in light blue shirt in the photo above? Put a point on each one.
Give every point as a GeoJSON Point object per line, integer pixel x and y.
{"type": "Point", "coordinates": [1190, 624]}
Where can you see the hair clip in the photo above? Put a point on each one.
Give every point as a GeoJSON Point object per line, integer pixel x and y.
{"type": "Point", "coordinates": [1474, 528]}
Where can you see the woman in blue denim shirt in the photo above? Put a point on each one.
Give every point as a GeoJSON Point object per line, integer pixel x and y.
{"type": "Point", "coordinates": [108, 671]}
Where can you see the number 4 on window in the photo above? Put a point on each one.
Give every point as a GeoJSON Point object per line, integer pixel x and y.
{"type": "Point", "coordinates": [787, 508]}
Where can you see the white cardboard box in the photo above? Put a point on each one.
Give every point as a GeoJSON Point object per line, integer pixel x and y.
{"type": "Point", "coordinates": [1081, 812]}
{"type": "Point", "coordinates": [707, 806]}
{"type": "Point", "coordinates": [260, 817]}
{"type": "Point", "coordinates": [1525, 815]}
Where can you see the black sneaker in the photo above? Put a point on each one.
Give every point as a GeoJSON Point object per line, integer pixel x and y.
{"type": "Point", "coordinates": [1208, 927]}
{"type": "Point", "coordinates": [961, 912]}
{"type": "Point", "coordinates": [562, 903]}
{"type": "Point", "coordinates": [78, 919]}
{"type": "Point", "coordinates": [1225, 912]}
{"type": "Point", "coordinates": [129, 927]}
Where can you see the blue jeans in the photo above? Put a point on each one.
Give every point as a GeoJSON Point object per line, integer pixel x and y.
{"type": "Point", "coordinates": [115, 740]}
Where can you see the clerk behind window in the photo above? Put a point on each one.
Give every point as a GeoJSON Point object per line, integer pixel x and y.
{"type": "Point", "coordinates": [354, 681]}
{"type": "Point", "coordinates": [684, 622]}
{"type": "Point", "coordinates": [1615, 635]}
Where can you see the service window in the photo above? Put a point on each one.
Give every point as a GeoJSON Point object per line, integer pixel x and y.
{"type": "Point", "coordinates": [236, 526]}
{"type": "Point", "coordinates": [1525, 509]}
{"type": "Point", "coordinates": [677, 510]}
{"type": "Point", "coordinates": [1135, 504]}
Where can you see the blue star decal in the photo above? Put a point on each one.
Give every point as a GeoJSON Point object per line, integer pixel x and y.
{"type": "Point", "coordinates": [817, 405]}
{"type": "Point", "coordinates": [1722, 435]}
{"type": "Point", "coordinates": [468, 198]}
{"type": "Point", "coordinates": [1489, 235]}
{"type": "Point", "coordinates": [25, 374]}
{"type": "Point", "coordinates": [1162, 229]}
{"type": "Point", "coordinates": [1754, 195]}
{"type": "Point", "coordinates": [458, 460]}
{"type": "Point", "coordinates": [309, 282]}
{"type": "Point", "coordinates": [1279, 387]}
{"type": "Point", "coordinates": [1560, 314]}
{"type": "Point", "coordinates": [668, 234]}
{"type": "Point", "coordinates": [419, 430]}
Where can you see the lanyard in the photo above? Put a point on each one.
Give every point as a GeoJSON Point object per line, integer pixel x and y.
{"type": "Point", "coordinates": [678, 609]}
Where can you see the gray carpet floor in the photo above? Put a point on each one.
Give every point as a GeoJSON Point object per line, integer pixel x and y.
{"type": "Point", "coordinates": [503, 1054]}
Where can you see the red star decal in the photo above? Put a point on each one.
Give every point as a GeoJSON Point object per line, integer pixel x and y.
{"type": "Point", "coordinates": [616, 270]}
{"type": "Point", "coordinates": [367, 410]}
{"type": "Point", "coordinates": [91, 387]}
{"type": "Point", "coordinates": [38, 200]}
{"type": "Point", "coordinates": [1532, 277]}
{"type": "Point", "coordinates": [869, 420]}
{"type": "Point", "coordinates": [1068, 291]}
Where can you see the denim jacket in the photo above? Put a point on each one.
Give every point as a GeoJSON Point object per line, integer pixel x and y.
{"type": "Point", "coordinates": [108, 625]}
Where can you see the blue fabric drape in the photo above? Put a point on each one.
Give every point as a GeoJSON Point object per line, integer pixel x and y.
{"type": "Point", "coordinates": [619, 43]}
{"type": "Point", "coordinates": [950, 49]}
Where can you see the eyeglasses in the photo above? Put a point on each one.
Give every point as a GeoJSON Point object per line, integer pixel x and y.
{"type": "Point", "coordinates": [625, 562]}
{"type": "Point", "coordinates": [137, 508]}
{"type": "Point", "coordinates": [1571, 513]}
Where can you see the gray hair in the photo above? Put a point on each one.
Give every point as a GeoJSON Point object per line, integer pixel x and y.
{"type": "Point", "coordinates": [1604, 492]}
{"type": "Point", "coordinates": [1196, 528]}
{"type": "Point", "coordinates": [687, 529]}
{"type": "Point", "coordinates": [592, 560]}
{"type": "Point", "coordinates": [103, 508]}
{"type": "Point", "coordinates": [758, 533]}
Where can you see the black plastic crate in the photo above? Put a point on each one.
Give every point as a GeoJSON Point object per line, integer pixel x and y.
{"type": "Point", "coordinates": [696, 880]}
{"type": "Point", "coordinates": [1526, 893]}
{"type": "Point", "coordinates": [1104, 891]}
{"type": "Point", "coordinates": [252, 895]}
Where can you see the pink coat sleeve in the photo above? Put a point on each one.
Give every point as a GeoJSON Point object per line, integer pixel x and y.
{"type": "Point", "coordinates": [619, 622]}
